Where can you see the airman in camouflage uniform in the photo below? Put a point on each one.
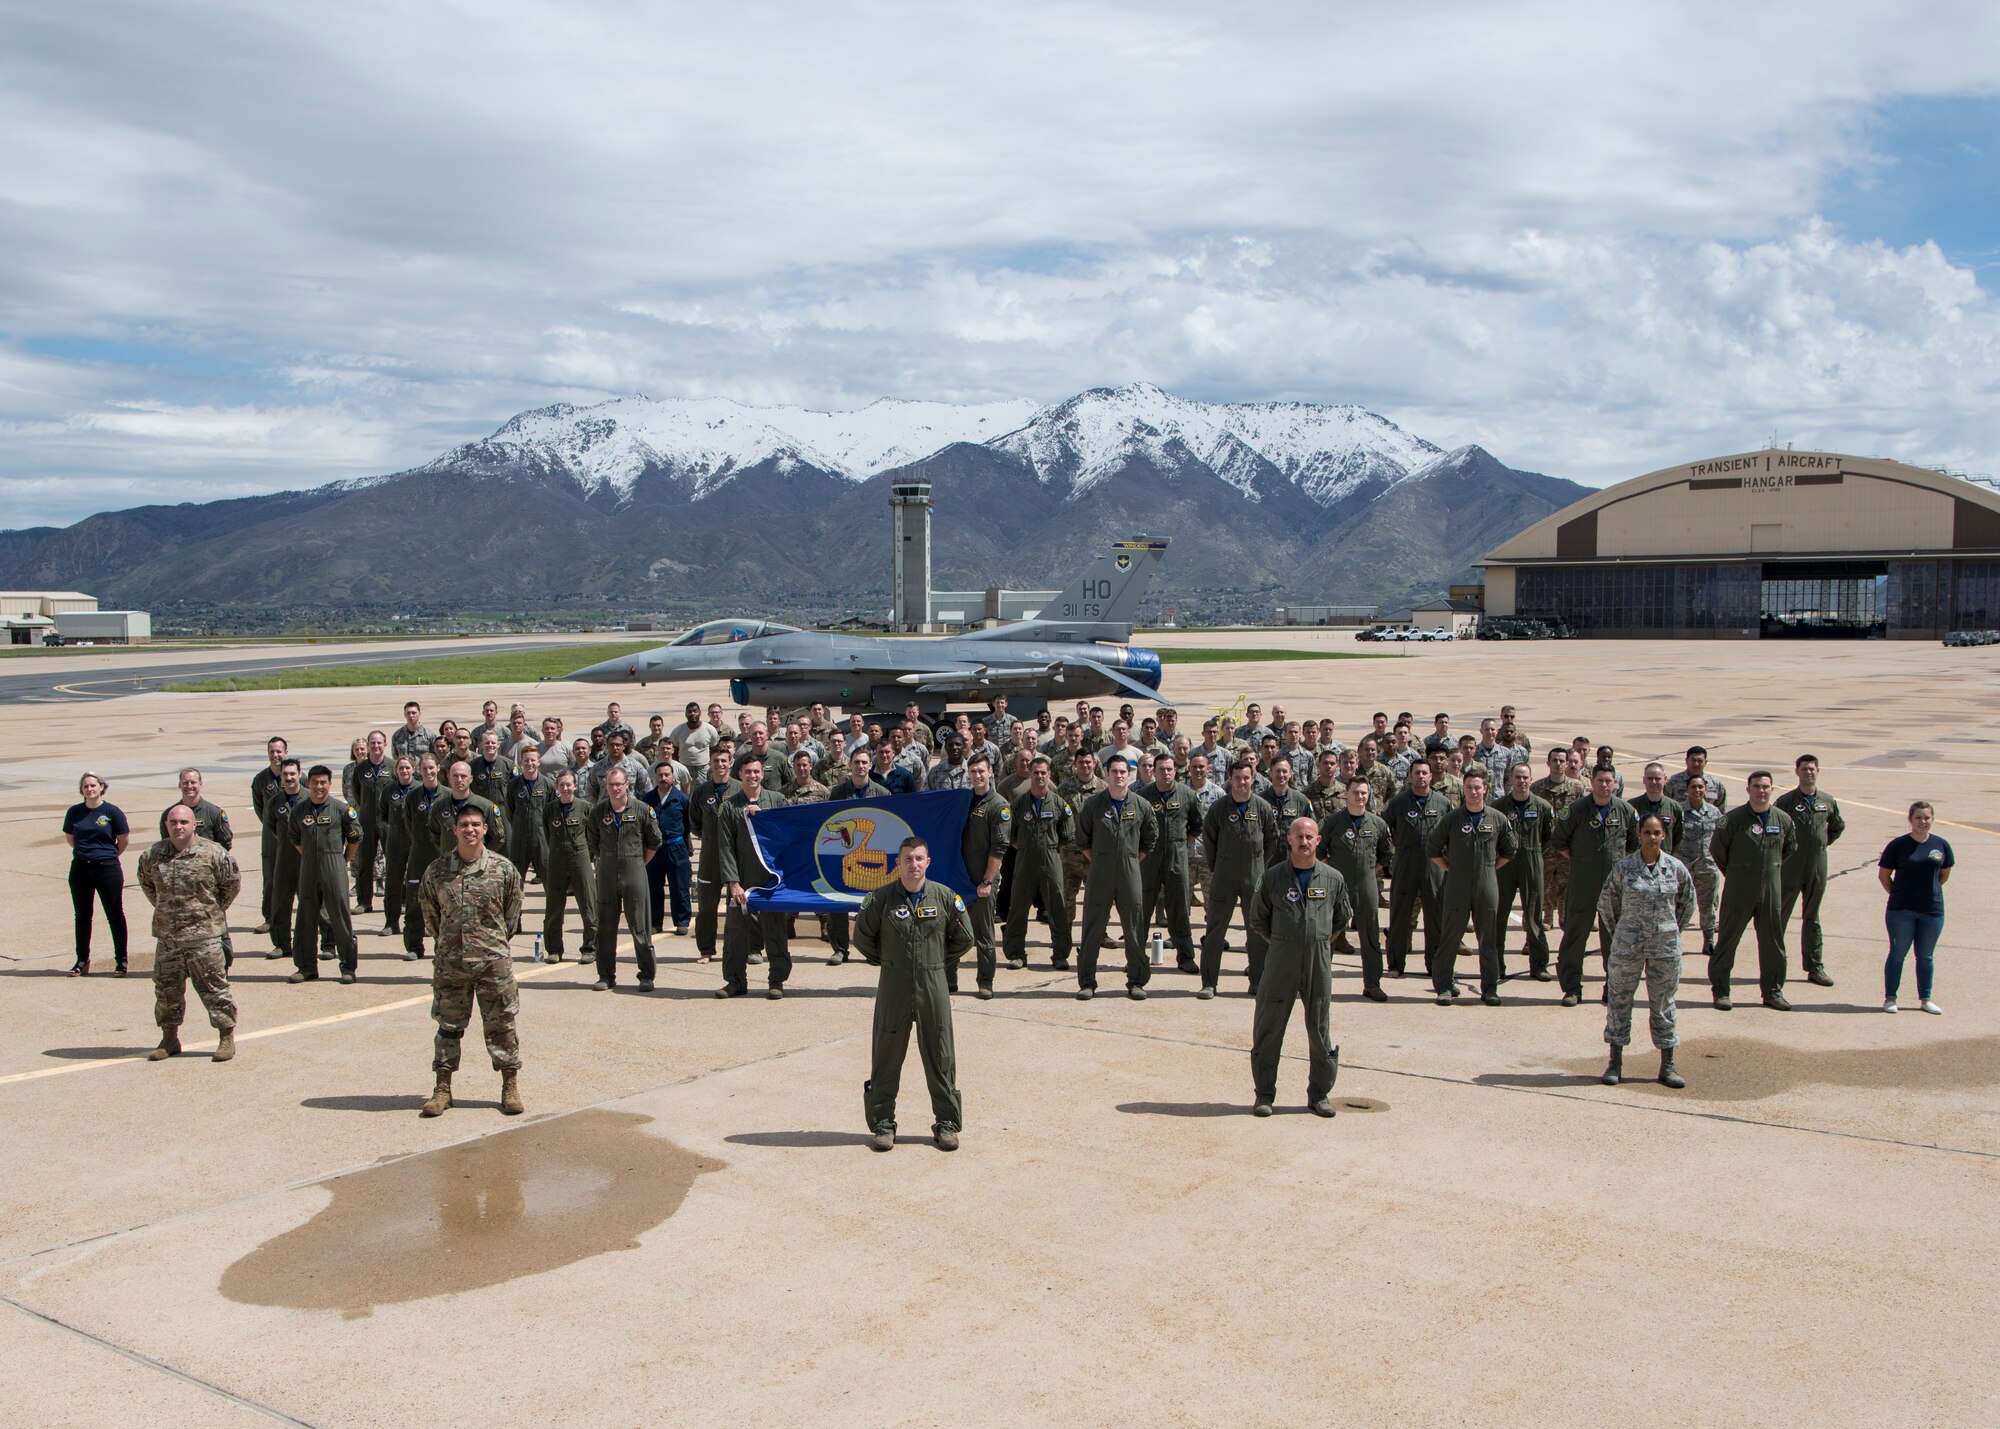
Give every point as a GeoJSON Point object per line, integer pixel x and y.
{"type": "Point", "coordinates": [1447, 783]}
{"type": "Point", "coordinates": [1700, 818]}
{"type": "Point", "coordinates": [1645, 905]}
{"type": "Point", "coordinates": [190, 882]}
{"type": "Point", "coordinates": [211, 822]}
{"type": "Point", "coordinates": [1561, 790]}
{"type": "Point", "coordinates": [471, 898]}
{"type": "Point", "coordinates": [1697, 763]}
{"type": "Point", "coordinates": [1382, 782]}
{"type": "Point", "coordinates": [1327, 794]}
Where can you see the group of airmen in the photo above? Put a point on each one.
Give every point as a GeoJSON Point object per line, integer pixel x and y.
{"type": "Point", "coordinates": [1280, 831]}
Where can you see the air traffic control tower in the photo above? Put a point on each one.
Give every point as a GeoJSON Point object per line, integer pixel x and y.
{"type": "Point", "coordinates": [910, 512]}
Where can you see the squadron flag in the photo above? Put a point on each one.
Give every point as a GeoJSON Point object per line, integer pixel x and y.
{"type": "Point", "coordinates": [830, 856]}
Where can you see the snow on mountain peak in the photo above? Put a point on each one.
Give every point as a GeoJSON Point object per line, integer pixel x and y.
{"type": "Point", "coordinates": [1326, 449]}
{"type": "Point", "coordinates": [707, 440]}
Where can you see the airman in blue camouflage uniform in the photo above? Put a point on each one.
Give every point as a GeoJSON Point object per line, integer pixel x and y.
{"type": "Point", "coordinates": [1648, 897]}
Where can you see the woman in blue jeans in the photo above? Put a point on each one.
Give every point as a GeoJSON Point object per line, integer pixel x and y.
{"type": "Point", "coordinates": [1913, 870]}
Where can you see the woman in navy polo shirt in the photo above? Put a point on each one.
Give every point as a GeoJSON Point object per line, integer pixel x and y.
{"type": "Point", "coordinates": [97, 834]}
{"type": "Point", "coordinates": [1913, 870]}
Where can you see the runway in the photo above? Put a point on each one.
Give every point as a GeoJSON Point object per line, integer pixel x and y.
{"type": "Point", "coordinates": [56, 679]}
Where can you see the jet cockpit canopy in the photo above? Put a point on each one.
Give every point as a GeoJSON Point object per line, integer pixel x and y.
{"type": "Point", "coordinates": [732, 632]}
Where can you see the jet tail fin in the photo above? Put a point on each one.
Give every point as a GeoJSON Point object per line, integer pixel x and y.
{"type": "Point", "coordinates": [1110, 590]}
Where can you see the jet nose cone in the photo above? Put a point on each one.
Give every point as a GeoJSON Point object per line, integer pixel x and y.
{"type": "Point", "coordinates": [609, 672]}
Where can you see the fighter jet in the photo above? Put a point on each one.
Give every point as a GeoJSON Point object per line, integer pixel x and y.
{"type": "Point", "coordinates": [1075, 648]}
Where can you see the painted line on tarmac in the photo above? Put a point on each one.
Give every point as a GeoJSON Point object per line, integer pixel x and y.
{"type": "Point", "coordinates": [533, 970]}
{"type": "Point", "coordinates": [207, 1386]}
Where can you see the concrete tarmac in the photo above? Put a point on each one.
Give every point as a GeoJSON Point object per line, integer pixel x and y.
{"type": "Point", "coordinates": [687, 1227]}
{"type": "Point", "coordinates": [118, 671]}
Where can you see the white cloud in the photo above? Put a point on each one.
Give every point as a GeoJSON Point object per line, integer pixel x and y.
{"type": "Point", "coordinates": [1581, 234]}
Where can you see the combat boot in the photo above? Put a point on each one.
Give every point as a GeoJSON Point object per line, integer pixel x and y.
{"type": "Point", "coordinates": [225, 1045]}
{"type": "Point", "coordinates": [170, 1045]}
{"type": "Point", "coordinates": [510, 1094]}
{"type": "Point", "coordinates": [1614, 1070]}
{"type": "Point", "coordinates": [1669, 1077]}
{"type": "Point", "coordinates": [883, 1140]}
{"type": "Point", "coordinates": [440, 1096]}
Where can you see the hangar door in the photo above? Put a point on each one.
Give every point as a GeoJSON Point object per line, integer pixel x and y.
{"type": "Point", "coordinates": [1824, 600]}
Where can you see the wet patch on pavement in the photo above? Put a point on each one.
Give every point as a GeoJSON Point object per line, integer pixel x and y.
{"type": "Point", "coordinates": [476, 1214]}
{"type": "Point", "coordinates": [1891, 759]}
{"type": "Point", "coordinates": [1743, 1069]}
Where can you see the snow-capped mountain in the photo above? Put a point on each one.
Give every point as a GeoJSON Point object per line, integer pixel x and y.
{"type": "Point", "coordinates": [1326, 451]}
{"type": "Point", "coordinates": [705, 441]}
{"type": "Point", "coordinates": [707, 505]}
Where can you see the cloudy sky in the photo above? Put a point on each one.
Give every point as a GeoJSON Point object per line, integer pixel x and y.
{"type": "Point", "coordinates": [253, 246]}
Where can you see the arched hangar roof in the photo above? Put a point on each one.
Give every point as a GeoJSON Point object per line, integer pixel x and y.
{"type": "Point", "coordinates": [1768, 503]}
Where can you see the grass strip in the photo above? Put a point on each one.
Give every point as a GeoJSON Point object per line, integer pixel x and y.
{"type": "Point", "coordinates": [520, 667]}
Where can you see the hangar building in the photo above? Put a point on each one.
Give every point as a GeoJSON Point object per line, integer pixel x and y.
{"type": "Point", "coordinates": [1770, 543]}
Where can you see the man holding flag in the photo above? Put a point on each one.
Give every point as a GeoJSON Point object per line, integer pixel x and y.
{"type": "Point", "coordinates": [915, 929]}
{"type": "Point", "coordinates": [742, 867]}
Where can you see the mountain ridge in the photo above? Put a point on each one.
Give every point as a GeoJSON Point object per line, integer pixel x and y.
{"type": "Point", "coordinates": [688, 505]}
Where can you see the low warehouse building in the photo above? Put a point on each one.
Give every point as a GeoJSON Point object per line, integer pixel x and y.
{"type": "Point", "coordinates": [1770, 543]}
{"type": "Point", "coordinates": [105, 627]}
